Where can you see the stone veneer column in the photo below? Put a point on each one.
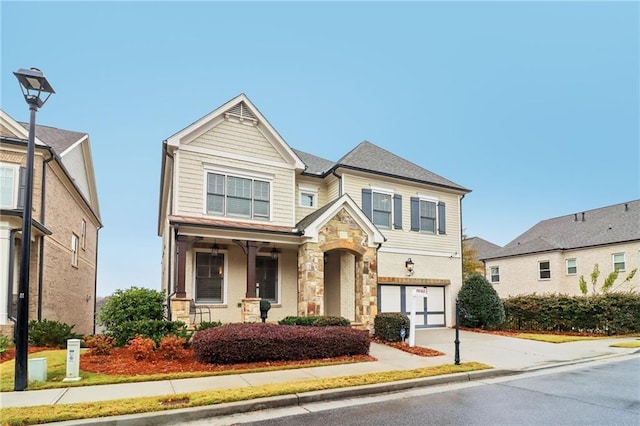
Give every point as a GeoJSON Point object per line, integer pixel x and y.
{"type": "Point", "coordinates": [180, 310]}
{"type": "Point", "coordinates": [310, 280]}
{"type": "Point", "coordinates": [251, 309]}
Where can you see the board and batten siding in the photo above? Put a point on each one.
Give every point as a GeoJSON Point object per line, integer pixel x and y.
{"type": "Point", "coordinates": [238, 139]}
{"type": "Point", "coordinates": [191, 186]}
{"type": "Point", "coordinates": [405, 238]}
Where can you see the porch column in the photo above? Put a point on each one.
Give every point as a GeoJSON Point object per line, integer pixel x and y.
{"type": "Point", "coordinates": [182, 246]}
{"type": "Point", "coordinates": [252, 250]}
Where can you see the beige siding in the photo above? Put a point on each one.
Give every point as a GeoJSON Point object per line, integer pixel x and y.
{"type": "Point", "coordinates": [321, 198]}
{"type": "Point", "coordinates": [191, 195]}
{"type": "Point", "coordinates": [405, 238]}
{"type": "Point", "coordinates": [519, 275]}
{"type": "Point", "coordinates": [236, 138]}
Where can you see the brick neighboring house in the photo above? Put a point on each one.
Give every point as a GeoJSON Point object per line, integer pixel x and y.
{"type": "Point", "coordinates": [552, 255]}
{"type": "Point", "coordinates": [66, 220]}
{"type": "Point", "coordinates": [243, 216]}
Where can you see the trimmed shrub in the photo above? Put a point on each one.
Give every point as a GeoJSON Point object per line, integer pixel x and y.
{"type": "Point", "coordinates": [99, 344]}
{"type": "Point", "coordinates": [238, 343]}
{"type": "Point", "coordinates": [295, 320]}
{"type": "Point", "coordinates": [142, 347]}
{"type": "Point", "coordinates": [610, 313]}
{"type": "Point", "coordinates": [51, 333]}
{"type": "Point", "coordinates": [329, 320]}
{"type": "Point", "coordinates": [172, 347]}
{"type": "Point", "coordinates": [387, 326]}
{"type": "Point", "coordinates": [207, 324]}
{"type": "Point", "coordinates": [4, 344]}
{"type": "Point", "coordinates": [133, 304]}
{"type": "Point", "coordinates": [153, 329]}
{"type": "Point", "coordinates": [480, 304]}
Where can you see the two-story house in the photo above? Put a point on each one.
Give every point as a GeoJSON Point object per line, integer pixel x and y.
{"type": "Point", "coordinates": [551, 256]}
{"type": "Point", "coordinates": [243, 216]}
{"type": "Point", "coordinates": [65, 220]}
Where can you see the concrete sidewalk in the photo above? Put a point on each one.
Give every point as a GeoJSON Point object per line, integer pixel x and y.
{"type": "Point", "coordinates": [507, 355]}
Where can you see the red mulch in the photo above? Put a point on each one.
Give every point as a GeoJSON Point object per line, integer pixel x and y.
{"type": "Point", "coordinates": [11, 353]}
{"type": "Point", "coordinates": [403, 346]}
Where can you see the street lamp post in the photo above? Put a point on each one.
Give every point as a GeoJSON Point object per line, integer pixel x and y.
{"type": "Point", "coordinates": [33, 83]}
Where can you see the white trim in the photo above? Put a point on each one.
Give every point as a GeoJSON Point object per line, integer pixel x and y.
{"type": "Point", "coordinates": [83, 234]}
{"type": "Point", "coordinates": [566, 266]}
{"type": "Point", "coordinates": [75, 244]}
{"type": "Point", "coordinates": [310, 190]}
{"type": "Point", "coordinates": [624, 260]}
{"type": "Point", "coordinates": [242, 174]}
{"type": "Point", "coordinates": [382, 190]}
{"type": "Point", "coordinates": [540, 270]}
{"type": "Point", "coordinates": [385, 249]}
{"type": "Point", "coordinates": [237, 172]}
{"type": "Point", "coordinates": [73, 145]}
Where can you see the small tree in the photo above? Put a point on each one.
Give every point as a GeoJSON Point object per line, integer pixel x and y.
{"type": "Point", "coordinates": [470, 263]}
{"type": "Point", "coordinates": [133, 304]}
{"type": "Point", "coordinates": [480, 302]}
{"type": "Point", "coordinates": [607, 285]}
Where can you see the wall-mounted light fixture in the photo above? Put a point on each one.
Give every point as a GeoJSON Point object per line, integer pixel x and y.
{"type": "Point", "coordinates": [274, 253]}
{"type": "Point", "coordinates": [409, 266]}
{"type": "Point", "coordinates": [215, 250]}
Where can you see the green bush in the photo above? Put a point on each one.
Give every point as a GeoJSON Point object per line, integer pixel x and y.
{"type": "Point", "coordinates": [4, 344]}
{"type": "Point", "coordinates": [238, 343]}
{"type": "Point", "coordinates": [295, 320]}
{"type": "Point", "coordinates": [207, 324]}
{"type": "Point", "coordinates": [387, 326]}
{"type": "Point", "coordinates": [480, 304]}
{"type": "Point", "coordinates": [51, 333]}
{"type": "Point", "coordinates": [609, 313]}
{"type": "Point", "coordinates": [152, 329]}
{"type": "Point", "coordinates": [133, 304]}
{"type": "Point", "coordinates": [329, 320]}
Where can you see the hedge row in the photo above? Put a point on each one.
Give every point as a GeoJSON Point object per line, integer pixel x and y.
{"type": "Point", "coordinates": [612, 313]}
{"type": "Point", "coordinates": [315, 320]}
{"type": "Point", "coordinates": [238, 343]}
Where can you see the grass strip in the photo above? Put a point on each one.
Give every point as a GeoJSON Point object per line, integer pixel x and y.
{"type": "Point", "coordinates": [63, 412]}
{"type": "Point", "coordinates": [632, 344]}
{"type": "Point", "coordinates": [554, 338]}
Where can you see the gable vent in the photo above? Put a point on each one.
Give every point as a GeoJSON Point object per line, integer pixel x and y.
{"type": "Point", "coordinates": [242, 113]}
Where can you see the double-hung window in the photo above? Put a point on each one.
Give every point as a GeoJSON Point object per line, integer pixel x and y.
{"type": "Point", "coordinates": [572, 267]}
{"type": "Point", "coordinates": [619, 263]}
{"type": "Point", "coordinates": [544, 270]}
{"type": "Point", "coordinates": [8, 193]}
{"type": "Point", "coordinates": [428, 216]}
{"type": "Point", "coordinates": [308, 195]}
{"type": "Point", "coordinates": [495, 274]}
{"type": "Point", "coordinates": [209, 277]}
{"type": "Point", "coordinates": [74, 250]}
{"type": "Point", "coordinates": [236, 196]}
{"type": "Point", "coordinates": [381, 210]}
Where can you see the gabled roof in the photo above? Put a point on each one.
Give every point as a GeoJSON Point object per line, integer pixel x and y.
{"type": "Point", "coordinates": [618, 223]}
{"type": "Point", "coordinates": [311, 224]}
{"type": "Point", "coordinates": [58, 139]}
{"type": "Point", "coordinates": [482, 247]}
{"type": "Point", "coordinates": [370, 158]}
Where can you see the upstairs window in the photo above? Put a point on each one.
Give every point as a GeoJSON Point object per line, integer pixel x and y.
{"type": "Point", "coordinates": [238, 196]}
{"type": "Point", "coordinates": [428, 216]}
{"type": "Point", "coordinates": [495, 274]}
{"type": "Point", "coordinates": [83, 234]}
{"type": "Point", "coordinates": [74, 250]}
{"type": "Point", "coordinates": [619, 263]}
{"type": "Point", "coordinates": [572, 267]}
{"type": "Point", "coordinates": [382, 207]}
{"type": "Point", "coordinates": [308, 195]}
{"type": "Point", "coordinates": [544, 270]}
{"type": "Point", "coordinates": [382, 210]}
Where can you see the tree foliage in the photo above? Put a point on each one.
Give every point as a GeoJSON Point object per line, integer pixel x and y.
{"type": "Point", "coordinates": [470, 263]}
{"type": "Point", "coordinates": [608, 283]}
{"type": "Point", "coordinates": [133, 304]}
{"type": "Point", "coordinates": [480, 303]}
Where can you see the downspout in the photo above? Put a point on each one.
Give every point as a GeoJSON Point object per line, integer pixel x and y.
{"type": "Point", "coordinates": [95, 285]}
{"type": "Point", "coordinates": [171, 257]}
{"type": "Point", "coordinates": [461, 251]}
{"type": "Point", "coordinates": [43, 193]}
{"type": "Point", "coordinates": [12, 245]}
{"type": "Point", "coordinates": [333, 172]}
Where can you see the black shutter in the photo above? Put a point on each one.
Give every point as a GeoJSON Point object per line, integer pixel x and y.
{"type": "Point", "coordinates": [415, 214]}
{"type": "Point", "coordinates": [397, 211]}
{"type": "Point", "coordinates": [442, 219]}
{"type": "Point", "coordinates": [366, 202]}
{"type": "Point", "coordinates": [22, 188]}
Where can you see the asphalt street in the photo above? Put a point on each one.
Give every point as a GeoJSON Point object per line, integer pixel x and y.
{"type": "Point", "coordinates": [595, 393]}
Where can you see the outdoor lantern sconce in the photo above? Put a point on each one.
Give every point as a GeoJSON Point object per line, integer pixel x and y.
{"type": "Point", "coordinates": [409, 265]}
{"type": "Point", "coordinates": [33, 83]}
{"type": "Point", "coordinates": [274, 253]}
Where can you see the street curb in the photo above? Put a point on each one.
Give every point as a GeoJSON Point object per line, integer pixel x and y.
{"type": "Point", "coordinates": [172, 417]}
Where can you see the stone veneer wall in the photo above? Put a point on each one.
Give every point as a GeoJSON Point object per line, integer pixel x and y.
{"type": "Point", "coordinates": [341, 233]}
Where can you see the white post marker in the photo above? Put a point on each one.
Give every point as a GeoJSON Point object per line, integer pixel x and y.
{"type": "Point", "coordinates": [73, 361]}
{"type": "Point", "coordinates": [420, 292]}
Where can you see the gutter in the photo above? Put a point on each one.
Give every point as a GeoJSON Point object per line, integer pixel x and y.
{"type": "Point", "coordinates": [12, 242]}
{"type": "Point", "coordinates": [43, 194]}
{"type": "Point", "coordinates": [333, 172]}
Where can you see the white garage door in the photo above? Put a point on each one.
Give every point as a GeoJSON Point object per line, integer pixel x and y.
{"type": "Point", "coordinates": [429, 310]}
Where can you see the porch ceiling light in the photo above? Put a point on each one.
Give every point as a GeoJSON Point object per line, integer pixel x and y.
{"type": "Point", "coordinates": [33, 84]}
{"type": "Point", "coordinates": [274, 253]}
{"type": "Point", "coordinates": [215, 249]}
{"type": "Point", "coordinates": [409, 266]}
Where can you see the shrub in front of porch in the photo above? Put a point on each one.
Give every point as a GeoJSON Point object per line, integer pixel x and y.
{"type": "Point", "coordinates": [238, 343]}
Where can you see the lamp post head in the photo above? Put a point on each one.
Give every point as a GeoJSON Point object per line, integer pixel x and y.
{"type": "Point", "coordinates": [33, 83]}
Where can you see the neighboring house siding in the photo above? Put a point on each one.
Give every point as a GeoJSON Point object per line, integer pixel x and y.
{"type": "Point", "coordinates": [191, 196]}
{"type": "Point", "coordinates": [521, 272]}
{"type": "Point", "coordinates": [74, 162]}
{"type": "Point", "coordinates": [64, 284]}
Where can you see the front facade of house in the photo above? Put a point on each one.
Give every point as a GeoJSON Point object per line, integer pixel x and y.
{"type": "Point", "coordinates": [551, 256]}
{"type": "Point", "coordinates": [66, 220]}
{"type": "Point", "coordinates": [243, 216]}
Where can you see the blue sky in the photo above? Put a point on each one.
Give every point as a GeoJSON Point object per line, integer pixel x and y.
{"type": "Point", "coordinates": [534, 106]}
